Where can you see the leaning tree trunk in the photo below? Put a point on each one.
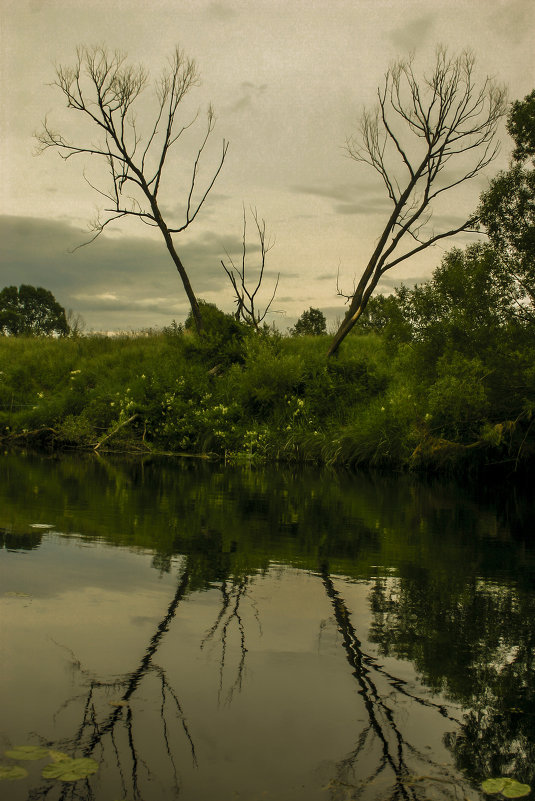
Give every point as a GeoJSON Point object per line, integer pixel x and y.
{"type": "Point", "coordinates": [195, 310]}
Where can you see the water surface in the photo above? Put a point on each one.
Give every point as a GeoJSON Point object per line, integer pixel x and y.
{"type": "Point", "coordinates": [206, 632]}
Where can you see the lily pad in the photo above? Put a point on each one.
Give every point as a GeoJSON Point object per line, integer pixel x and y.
{"type": "Point", "coordinates": [492, 786]}
{"type": "Point", "coordinates": [58, 756]}
{"type": "Point", "coordinates": [12, 772]}
{"type": "Point", "coordinates": [514, 789]}
{"type": "Point", "coordinates": [70, 770]}
{"type": "Point", "coordinates": [27, 752]}
{"type": "Point", "coordinates": [509, 788]}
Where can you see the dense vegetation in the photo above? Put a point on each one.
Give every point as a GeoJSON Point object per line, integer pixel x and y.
{"type": "Point", "coordinates": [388, 400]}
{"type": "Point", "coordinates": [438, 376]}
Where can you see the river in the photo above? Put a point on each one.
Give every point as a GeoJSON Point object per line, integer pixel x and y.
{"type": "Point", "coordinates": [262, 634]}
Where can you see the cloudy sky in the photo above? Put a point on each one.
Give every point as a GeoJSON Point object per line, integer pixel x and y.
{"type": "Point", "coordinates": [288, 80]}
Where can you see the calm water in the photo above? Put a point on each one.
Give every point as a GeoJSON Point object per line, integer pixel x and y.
{"type": "Point", "coordinates": [257, 635]}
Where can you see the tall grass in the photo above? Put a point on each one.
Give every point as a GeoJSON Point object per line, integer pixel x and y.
{"type": "Point", "coordinates": [267, 397]}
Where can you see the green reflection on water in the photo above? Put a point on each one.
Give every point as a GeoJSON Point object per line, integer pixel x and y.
{"type": "Point", "coordinates": [449, 583]}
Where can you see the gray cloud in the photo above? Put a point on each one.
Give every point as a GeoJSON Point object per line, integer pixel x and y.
{"type": "Point", "coordinates": [414, 33]}
{"type": "Point", "coordinates": [115, 279]}
{"type": "Point", "coordinates": [221, 11]}
{"type": "Point", "coordinates": [326, 277]}
{"type": "Point", "coordinates": [249, 92]}
{"type": "Point", "coordinates": [349, 198]}
{"type": "Point", "coordinates": [514, 21]}
{"type": "Point", "coordinates": [341, 192]}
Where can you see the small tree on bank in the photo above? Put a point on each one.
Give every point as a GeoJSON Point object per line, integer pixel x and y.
{"type": "Point", "coordinates": [31, 311]}
{"type": "Point", "coordinates": [311, 323]}
{"type": "Point", "coordinates": [106, 90]}
{"type": "Point", "coordinates": [416, 137]}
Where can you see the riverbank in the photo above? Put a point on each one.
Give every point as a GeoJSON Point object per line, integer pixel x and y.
{"type": "Point", "coordinates": [240, 395]}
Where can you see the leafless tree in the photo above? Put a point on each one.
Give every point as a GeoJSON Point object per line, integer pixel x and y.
{"type": "Point", "coordinates": [424, 137]}
{"type": "Point", "coordinates": [245, 298]}
{"type": "Point", "coordinates": [106, 89]}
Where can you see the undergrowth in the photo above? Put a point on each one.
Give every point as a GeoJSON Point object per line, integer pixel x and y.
{"type": "Point", "coordinates": [261, 397]}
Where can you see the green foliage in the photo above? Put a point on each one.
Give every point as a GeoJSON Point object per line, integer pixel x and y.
{"type": "Point", "coordinates": [462, 307]}
{"type": "Point", "coordinates": [457, 372]}
{"type": "Point", "coordinates": [521, 126]}
{"type": "Point", "coordinates": [457, 401]}
{"type": "Point", "coordinates": [31, 311]}
{"type": "Point", "coordinates": [385, 314]}
{"type": "Point", "coordinates": [222, 338]}
{"type": "Point", "coordinates": [311, 323]}
{"type": "Point", "coordinates": [507, 210]}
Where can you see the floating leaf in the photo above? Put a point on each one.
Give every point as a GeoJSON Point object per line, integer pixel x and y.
{"type": "Point", "coordinates": [492, 786]}
{"type": "Point", "coordinates": [12, 772]}
{"type": "Point", "coordinates": [514, 789]}
{"type": "Point", "coordinates": [27, 752]}
{"type": "Point", "coordinates": [58, 756]}
{"type": "Point", "coordinates": [509, 788]}
{"type": "Point", "coordinates": [70, 770]}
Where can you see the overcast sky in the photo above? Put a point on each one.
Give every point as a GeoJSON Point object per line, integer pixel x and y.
{"type": "Point", "coordinates": [288, 80]}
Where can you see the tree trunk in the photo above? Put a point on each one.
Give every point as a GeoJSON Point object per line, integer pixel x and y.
{"type": "Point", "coordinates": [195, 310]}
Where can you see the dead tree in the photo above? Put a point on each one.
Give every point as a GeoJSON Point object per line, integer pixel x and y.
{"type": "Point", "coordinates": [245, 298]}
{"type": "Point", "coordinates": [106, 89]}
{"type": "Point", "coordinates": [424, 137]}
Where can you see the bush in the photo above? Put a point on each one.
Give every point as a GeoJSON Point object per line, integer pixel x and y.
{"type": "Point", "coordinates": [221, 341]}
{"type": "Point", "coordinates": [457, 401]}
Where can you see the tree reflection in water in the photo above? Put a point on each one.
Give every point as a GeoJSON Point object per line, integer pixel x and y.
{"type": "Point", "coordinates": [460, 609]}
{"type": "Point", "coordinates": [99, 733]}
{"type": "Point", "coordinates": [407, 762]}
{"type": "Point", "coordinates": [228, 614]}
{"type": "Point", "coordinates": [475, 643]}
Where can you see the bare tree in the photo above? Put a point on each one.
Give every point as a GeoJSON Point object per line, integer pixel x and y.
{"type": "Point", "coordinates": [106, 89]}
{"type": "Point", "coordinates": [245, 298]}
{"type": "Point", "coordinates": [424, 137]}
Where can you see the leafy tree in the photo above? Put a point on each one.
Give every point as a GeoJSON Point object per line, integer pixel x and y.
{"type": "Point", "coordinates": [106, 91]}
{"type": "Point", "coordinates": [507, 211]}
{"type": "Point", "coordinates": [521, 126]}
{"type": "Point", "coordinates": [385, 314]}
{"type": "Point", "coordinates": [311, 323]}
{"type": "Point", "coordinates": [31, 311]}
{"type": "Point", "coordinates": [463, 301]}
{"type": "Point", "coordinates": [420, 129]}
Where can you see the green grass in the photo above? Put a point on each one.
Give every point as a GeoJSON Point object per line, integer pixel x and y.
{"type": "Point", "coordinates": [267, 397]}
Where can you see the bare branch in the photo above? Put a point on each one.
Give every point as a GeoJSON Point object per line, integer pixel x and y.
{"type": "Point", "coordinates": [419, 127]}
{"type": "Point", "coordinates": [190, 216]}
{"type": "Point", "coordinates": [245, 297]}
{"type": "Point", "coordinates": [105, 90]}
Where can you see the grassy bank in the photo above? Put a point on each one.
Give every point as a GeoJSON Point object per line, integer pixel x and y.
{"type": "Point", "coordinates": [242, 395]}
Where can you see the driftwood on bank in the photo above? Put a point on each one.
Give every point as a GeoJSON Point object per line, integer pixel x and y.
{"type": "Point", "coordinates": [115, 430]}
